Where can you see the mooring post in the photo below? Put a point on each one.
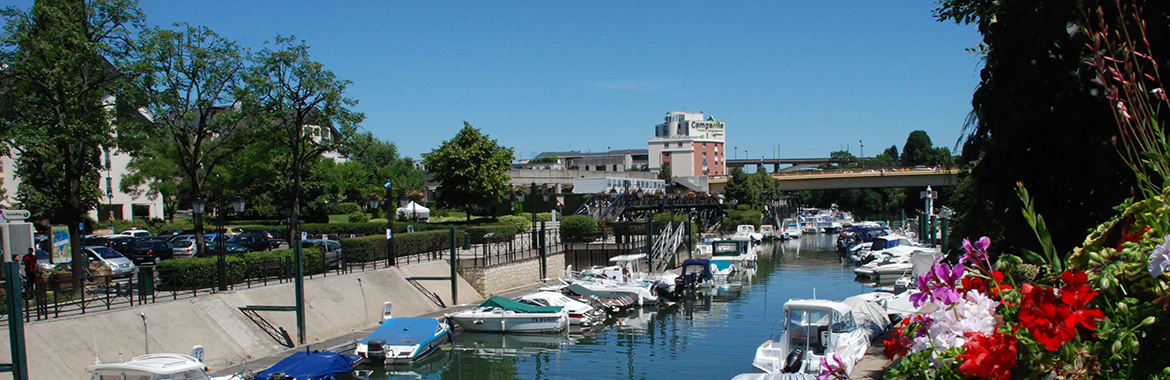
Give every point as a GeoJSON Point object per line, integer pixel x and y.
{"type": "Point", "coordinates": [454, 269]}
{"type": "Point", "coordinates": [543, 252]}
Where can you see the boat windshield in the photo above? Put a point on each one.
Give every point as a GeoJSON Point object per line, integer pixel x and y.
{"type": "Point", "coordinates": [725, 248]}
{"type": "Point", "coordinates": [805, 327]}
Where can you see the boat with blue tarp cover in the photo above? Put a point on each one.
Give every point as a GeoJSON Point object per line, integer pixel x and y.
{"type": "Point", "coordinates": [500, 314]}
{"type": "Point", "coordinates": [311, 365]}
{"type": "Point", "coordinates": [403, 340]}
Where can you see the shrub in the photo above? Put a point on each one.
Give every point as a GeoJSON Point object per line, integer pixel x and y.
{"type": "Point", "coordinates": [347, 208]}
{"type": "Point", "coordinates": [578, 227]}
{"type": "Point", "coordinates": [521, 223]}
{"type": "Point", "coordinates": [358, 217]}
{"type": "Point", "coordinates": [202, 272]}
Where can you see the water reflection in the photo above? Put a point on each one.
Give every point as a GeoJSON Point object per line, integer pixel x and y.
{"type": "Point", "coordinates": [710, 334]}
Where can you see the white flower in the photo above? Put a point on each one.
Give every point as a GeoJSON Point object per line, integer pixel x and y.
{"type": "Point", "coordinates": [975, 313]}
{"type": "Point", "coordinates": [1160, 259]}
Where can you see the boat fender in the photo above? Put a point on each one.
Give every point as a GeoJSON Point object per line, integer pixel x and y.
{"type": "Point", "coordinates": [792, 363]}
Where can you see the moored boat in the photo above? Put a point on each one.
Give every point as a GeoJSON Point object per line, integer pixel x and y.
{"type": "Point", "coordinates": [581, 313]}
{"type": "Point", "coordinates": [499, 314]}
{"type": "Point", "coordinates": [816, 328]}
{"type": "Point", "coordinates": [311, 365]}
{"type": "Point", "coordinates": [155, 367]}
{"type": "Point", "coordinates": [403, 340]}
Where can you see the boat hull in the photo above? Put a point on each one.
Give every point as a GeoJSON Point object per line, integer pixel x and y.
{"type": "Point", "coordinates": [482, 321]}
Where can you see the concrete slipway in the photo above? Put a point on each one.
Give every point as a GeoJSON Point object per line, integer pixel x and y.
{"type": "Point", "coordinates": [335, 305]}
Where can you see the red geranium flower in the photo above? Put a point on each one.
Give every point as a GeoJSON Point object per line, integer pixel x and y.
{"type": "Point", "coordinates": [1044, 317]}
{"type": "Point", "coordinates": [989, 356]}
{"type": "Point", "coordinates": [986, 286]}
{"type": "Point", "coordinates": [896, 345]}
{"type": "Point", "coordinates": [1077, 296]}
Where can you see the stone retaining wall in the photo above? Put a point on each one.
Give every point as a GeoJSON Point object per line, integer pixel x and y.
{"type": "Point", "coordinates": [501, 278]}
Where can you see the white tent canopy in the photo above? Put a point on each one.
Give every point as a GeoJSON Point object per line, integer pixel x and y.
{"type": "Point", "coordinates": [415, 211]}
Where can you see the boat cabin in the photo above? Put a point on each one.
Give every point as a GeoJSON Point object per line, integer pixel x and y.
{"type": "Point", "coordinates": [814, 325]}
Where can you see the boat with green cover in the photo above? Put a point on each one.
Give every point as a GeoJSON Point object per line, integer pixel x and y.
{"type": "Point", "coordinates": [499, 314]}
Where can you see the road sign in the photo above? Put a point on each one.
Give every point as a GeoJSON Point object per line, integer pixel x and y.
{"type": "Point", "coordinates": [15, 215]}
{"type": "Point", "coordinates": [560, 201]}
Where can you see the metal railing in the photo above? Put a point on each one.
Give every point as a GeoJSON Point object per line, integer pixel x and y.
{"type": "Point", "coordinates": [56, 297]}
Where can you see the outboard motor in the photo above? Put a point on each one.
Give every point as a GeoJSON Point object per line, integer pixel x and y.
{"type": "Point", "coordinates": [376, 351]}
{"type": "Point", "coordinates": [793, 362]}
{"type": "Point", "coordinates": [278, 376]}
{"type": "Point", "coordinates": [663, 291]}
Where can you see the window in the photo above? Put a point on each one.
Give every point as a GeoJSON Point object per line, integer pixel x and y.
{"type": "Point", "coordinates": [704, 145]}
{"type": "Point", "coordinates": [665, 145]}
{"type": "Point", "coordinates": [680, 144]}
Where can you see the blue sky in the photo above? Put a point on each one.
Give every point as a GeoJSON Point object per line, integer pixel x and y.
{"type": "Point", "coordinates": [803, 77]}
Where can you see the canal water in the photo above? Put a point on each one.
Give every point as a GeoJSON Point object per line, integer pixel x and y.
{"type": "Point", "coordinates": [710, 335]}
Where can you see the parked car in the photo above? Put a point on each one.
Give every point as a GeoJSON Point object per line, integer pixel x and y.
{"type": "Point", "coordinates": [118, 264]}
{"type": "Point", "coordinates": [169, 233]}
{"type": "Point", "coordinates": [184, 248]}
{"type": "Point", "coordinates": [152, 251]}
{"type": "Point", "coordinates": [331, 248]}
{"type": "Point", "coordinates": [254, 242]}
{"type": "Point", "coordinates": [43, 262]}
{"type": "Point", "coordinates": [135, 232]}
{"type": "Point", "coordinates": [122, 243]}
{"type": "Point", "coordinates": [274, 239]}
{"type": "Point", "coordinates": [229, 248]}
{"type": "Point", "coordinates": [183, 237]}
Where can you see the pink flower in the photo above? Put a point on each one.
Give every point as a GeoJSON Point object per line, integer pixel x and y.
{"type": "Point", "coordinates": [832, 365]}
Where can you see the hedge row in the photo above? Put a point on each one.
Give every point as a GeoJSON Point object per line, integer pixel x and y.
{"type": "Point", "coordinates": [202, 272]}
{"type": "Point", "coordinates": [370, 248]}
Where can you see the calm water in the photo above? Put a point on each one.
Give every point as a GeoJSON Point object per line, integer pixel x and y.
{"type": "Point", "coordinates": [711, 335]}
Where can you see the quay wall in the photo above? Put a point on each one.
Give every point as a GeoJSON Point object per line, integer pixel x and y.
{"type": "Point", "coordinates": [502, 278]}
{"type": "Point", "coordinates": [335, 305]}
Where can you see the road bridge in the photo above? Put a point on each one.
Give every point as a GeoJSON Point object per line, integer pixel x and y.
{"type": "Point", "coordinates": [775, 163]}
{"type": "Point", "coordinates": [856, 179]}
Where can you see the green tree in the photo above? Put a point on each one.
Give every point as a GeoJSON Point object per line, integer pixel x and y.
{"type": "Point", "coordinates": [664, 173]}
{"type": "Point", "coordinates": [306, 109]}
{"type": "Point", "coordinates": [189, 78]}
{"type": "Point", "coordinates": [61, 61]}
{"type": "Point", "coordinates": [472, 169]}
{"type": "Point", "coordinates": [841, 160]}
{"type": "Point", "coordinates": [918, 149]}
{"type": "Point", "coordinates": [1038, 119]}
{"type": "Point", "coordinates": [304, 106]}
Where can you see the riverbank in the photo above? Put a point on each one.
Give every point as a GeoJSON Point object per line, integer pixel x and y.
{"type": "Point", "coordinates": [335, 306]}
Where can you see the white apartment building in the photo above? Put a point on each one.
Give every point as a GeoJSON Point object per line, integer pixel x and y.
{"type": "Point", "coordinates": [124, 206]}
{"type": "Point", "coordinates": [691, 143]}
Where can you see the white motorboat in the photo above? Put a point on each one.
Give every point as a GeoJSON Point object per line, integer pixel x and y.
{"type": "Point", "coordinates": [768, 232]}
{"type": "Point", "coordinates": [626, 277]}
{"type": "Point", "coordinates": [729, 256]}
{"type": "Point", "coordinates": [815, 328]}
{"type": "Point", "coordinates": [792, 230]}
{"type": "Point", "coordinates": [156, 367]}
{"type": "Point", "coordinates": [499, 314]}
{"type": "Point", "coordinates": [894, 262]}
{"type": "Point", "coordinates": [747, 232]}
{"type": "Point", "coordinates": [580, 312]}
{"type": "Point", "coordinates": [403, 340]}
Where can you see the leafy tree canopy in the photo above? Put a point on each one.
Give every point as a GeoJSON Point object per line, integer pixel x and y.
{"type": "Point", "coordinates": [471, 168]}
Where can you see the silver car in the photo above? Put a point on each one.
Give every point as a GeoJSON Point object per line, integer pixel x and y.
{"type": "Point", "coordinates": [119, 265]}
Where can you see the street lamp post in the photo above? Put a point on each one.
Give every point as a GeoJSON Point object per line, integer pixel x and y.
{"type": "Point", "coordinates": [219, 236]}
{"type": "Point", "coordinates": [391, 258]}
{"type": "Point", "coordinates": [197, 208]}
